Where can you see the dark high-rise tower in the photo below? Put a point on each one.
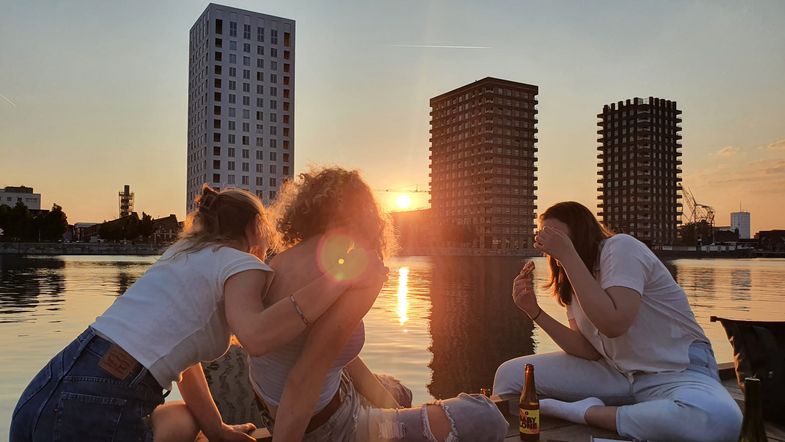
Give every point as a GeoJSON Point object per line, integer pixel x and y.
{"type": "Point", "coordinates": [483, 139]}
{"type": "Point", "coordinates": [639, 162]}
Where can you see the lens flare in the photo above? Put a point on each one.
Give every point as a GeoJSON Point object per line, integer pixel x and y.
{"type": "Point", "coordinates": [341, 257]}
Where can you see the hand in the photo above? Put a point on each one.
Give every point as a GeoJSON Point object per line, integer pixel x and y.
{"type": "Point", "coordinates": [523, 291]}
{"type": "Point", "coordinates": [374, 275]}
{"type": "Point", "coordinates": [554, 243]}
{"type": "Point", "coordinates": [234, 433]}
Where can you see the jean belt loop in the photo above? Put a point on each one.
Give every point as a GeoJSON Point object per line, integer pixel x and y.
{"type": "Point", "coordinates": [139, 376]}
{"type": "Point", "coordinates": [88, 335]}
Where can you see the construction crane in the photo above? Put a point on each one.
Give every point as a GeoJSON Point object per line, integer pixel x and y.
{"type": "Point", "coordinates": [416, 190]}
{"type": "Point", "coordinates": [697, 215]}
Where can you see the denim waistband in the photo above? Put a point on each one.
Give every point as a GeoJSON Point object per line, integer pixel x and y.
{"type": "Point", "coordinates": [99, 345]}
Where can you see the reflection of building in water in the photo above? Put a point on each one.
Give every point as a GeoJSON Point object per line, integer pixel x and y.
{"type": "Point", "coordinates": [28, 283]}
{"type": "Point", "coordinates": [740, 284]}
{"type": "Point", "coordinates": [475, 326]}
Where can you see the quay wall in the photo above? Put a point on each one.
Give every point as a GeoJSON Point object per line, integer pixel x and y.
{"type": "Point", "coordinates": [79, 248]}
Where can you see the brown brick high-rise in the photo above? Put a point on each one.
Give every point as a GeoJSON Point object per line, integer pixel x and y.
{"type": "Point", "coordinates": [483, 138]}
{"type": "Point", "coordinates": [639, 159]}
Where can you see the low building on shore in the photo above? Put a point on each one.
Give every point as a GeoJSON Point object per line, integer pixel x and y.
{"type": "Point", "coordinates": [10, 196]}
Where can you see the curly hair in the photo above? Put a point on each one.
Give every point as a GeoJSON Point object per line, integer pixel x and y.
{"type": "Point", "coordinates": [328, 198]}
{"type": "Point", "coordinates": [222, 218]}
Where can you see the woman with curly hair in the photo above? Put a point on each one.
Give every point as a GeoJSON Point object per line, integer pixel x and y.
{"type": "Point", "coordinates": [106, 383]}
{"type": "Point", "coordinates": [316, 387]}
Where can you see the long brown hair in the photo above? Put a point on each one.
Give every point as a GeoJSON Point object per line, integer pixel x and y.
{"type": "Point", "coordinates": [221, 218]}
{"type": "Point", "coordinates": [586, 234]}
{"type": "Point", "coordinates": [328, 198]}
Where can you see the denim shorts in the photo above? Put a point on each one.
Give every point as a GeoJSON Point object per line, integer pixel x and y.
{"type": "Point", "coordinates": [73, 399]}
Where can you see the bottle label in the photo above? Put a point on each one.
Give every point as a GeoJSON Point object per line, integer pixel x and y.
{"type": "Point", "coordinates": [530, 421]}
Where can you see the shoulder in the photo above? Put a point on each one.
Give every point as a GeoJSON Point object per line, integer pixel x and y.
{"type": "Point", "coordinates": [624, 243]}
{"type": "Point", "coordinates": [231, 256]}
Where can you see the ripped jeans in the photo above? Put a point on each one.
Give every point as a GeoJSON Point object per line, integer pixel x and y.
{"type": "Point", "coordinates": [474, 418]}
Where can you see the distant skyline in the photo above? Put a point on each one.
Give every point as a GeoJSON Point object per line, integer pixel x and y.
{"type": "Point", "coordinates": [93, 95]}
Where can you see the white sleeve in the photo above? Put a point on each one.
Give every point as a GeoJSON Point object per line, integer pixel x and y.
{"type": "Point", "coordinates": [624, 263]}
{"type": "Point", "coordinates": [236, 261]}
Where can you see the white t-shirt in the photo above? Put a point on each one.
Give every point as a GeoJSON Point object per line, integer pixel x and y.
{"type": "Point", "coordinates": [173, 316]}
{"type": "Point", "coordinates": [659, 338]}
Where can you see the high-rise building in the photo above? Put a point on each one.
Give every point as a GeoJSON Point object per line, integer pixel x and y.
{"type": "Point", "coordinates": [240, 101]}
{"type": "Point", "coordinates": [482, 153]}
{"type": "Point", "coordinates": [126, 198]}
{"type": "Point", "coordinates": [11, 195]}
{"type": "Point", "coordinates": [741, 221]}
{"type": "Point", "coordinates": [640, 174]}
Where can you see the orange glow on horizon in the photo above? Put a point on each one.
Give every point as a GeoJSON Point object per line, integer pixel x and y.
{"type": "Point", "coordinates": [403, 201]}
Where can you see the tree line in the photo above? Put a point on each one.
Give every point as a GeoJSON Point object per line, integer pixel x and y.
{"type": "Point", "coordinates": [18, 223]}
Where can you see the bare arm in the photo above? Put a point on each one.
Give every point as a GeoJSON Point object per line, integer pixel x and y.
{"type": "Point", "coordinates": [196, 394]}
{"type": "Point", "coordinates": [613, 310]}
{"type": "Point", "coordinates": [369, 386]}
{"type": "Point", "coordinates": [325, 341]}
{"type": "Point", "coordinates": [252, 322]}
{"type": "Point", "coordinates": [568, 339]}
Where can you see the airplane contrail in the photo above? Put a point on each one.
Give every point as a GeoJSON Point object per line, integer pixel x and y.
{"type": "Point", "coordinates": [8, 100]}
{"type": "Point", "coordinates": [440, 46]}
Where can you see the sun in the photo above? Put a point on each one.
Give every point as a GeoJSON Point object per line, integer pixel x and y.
{"type": "Point", "coordinates": [403, 201]}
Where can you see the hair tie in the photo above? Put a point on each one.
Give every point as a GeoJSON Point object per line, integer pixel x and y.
{"type": "Point", "coordinates": [207, 201]}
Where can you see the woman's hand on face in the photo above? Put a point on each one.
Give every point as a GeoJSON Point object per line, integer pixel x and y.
{"type": "Point", "coordinates": [523, 290]}
{"type": "Point", "coordinates": [554, 242]}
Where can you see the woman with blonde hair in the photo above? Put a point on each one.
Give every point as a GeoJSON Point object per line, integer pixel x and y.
{"type": "Point", "coordinates": [316, 387]}
{"type": "Point", "coordinates": [105, 384]}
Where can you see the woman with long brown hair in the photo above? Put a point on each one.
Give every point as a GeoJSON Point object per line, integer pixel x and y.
{"type": "Point", "coordinates": [106, 383]}
{"type": "Point", "coordinates": [634, 358]}
{"type": "Point", "coordinates": [316, 387]}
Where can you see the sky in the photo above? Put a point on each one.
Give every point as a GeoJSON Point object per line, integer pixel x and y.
{"type": "Point", "coordinates": [93, 94]}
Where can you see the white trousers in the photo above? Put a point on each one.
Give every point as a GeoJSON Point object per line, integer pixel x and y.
{"type": "Point", "coordinates": [690, 405]}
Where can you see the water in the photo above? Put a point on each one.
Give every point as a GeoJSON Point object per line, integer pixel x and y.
{"type": "Point", "coordinates": [440, 325]}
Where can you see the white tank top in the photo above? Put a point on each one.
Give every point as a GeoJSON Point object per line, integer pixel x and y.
{"type": "Point", "coordinates": [173, 316]}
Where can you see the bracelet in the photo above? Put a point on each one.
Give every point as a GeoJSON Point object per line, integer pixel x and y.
{"type": "Point", "coordinates": [537, 315]}
{"type": "Point", "coordinates": [299, 311]}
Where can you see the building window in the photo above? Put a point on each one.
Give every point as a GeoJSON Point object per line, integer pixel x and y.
{"type": "Point", "coordinates": [259, 181]}
{"type": "Point", "coordinates": [273, 156]}
{"type": "Point", "coordinates": [216, 164]}
{"type": "Point", "coordinates": [217, 96]}
{"type": "Point", "coordinates": [272, 195]}
{"type": "Point", "coordinates": [247, 32]}
{"type": "Point", "coordinates": [246, 100]}
{"type": "Point", "coordinates": [232, 139]}
{"type": "Point", "coordinates": [286, 55]}
{"type": "Point", "coordinates": [232, 58]}
{"type": "Point", "coordinates": [245, 180]}
{"type": "Point", "coordinates": [217, 83]}
{"type": "Point", "coordinates": [245, 139]}
{"type": "Point", "coordinates": [216, 124]}
{"type": "Point", "coordinates": [231, 179]}
{"type": "Point", "coordinates": [232, 85]}
{"type": "Point", "coordinates": [218, 69]}
{"type": "Point", "coordinates": [259, 75]}
{"type": "Point", "coordinates": [260, 63]}
{"type": "Point", "coordinates": [218, 56]}
{"type": "Point", "coordinates": [216, 110]}
{"type": "Point", "coordinates": [245, 167]}
{"type": "Point", "coordinates": [219, 26]}
{"type": "Point", "coordinates": [273, 52]}
{"type": "Point", "coordinates": [232, 29]}
{"type": "Point", "coordinates": [287, 39]}
{"type": "Point", "coordinates": [232, 73]}
{"type": "Point", "coordinates": [232, 45]}
{"type": "Point", "coordinates": [217, 137]}
{"type": "Point", "coordinates": [231, 165]}
{"type": "Point", "coordinates": [260, 50]}
{"type": "Point", "coordinates": [247, 87]}
{"type": "Point", "coordinates": [246, 61]}
{"type": "Point", "coordinates": [272, 168]}
{"type": "Point", "coordinates": [259, 153]}
{"type": "Point", "coordinates": [216, 150]}
{"type": "Point", "coordinates": [218, 42]}
{"type": "Point", "coordinates": [260, 35]}
{"type": "Point", "coordinates": [274, 36]}
{"type": "Point", "coordinates": [232, 98]}
{"type": "Point", "coordinates": [273, 78]}
{"type": "Point", "coordinates": [216, 178]}
{"type": "Point", "coordinates": [231, 152]}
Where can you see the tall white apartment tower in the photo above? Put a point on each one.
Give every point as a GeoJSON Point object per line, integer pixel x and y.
{"type": "Point", "coordinates": [741, 221]}
{"type": "Point", "coordinates": [240, 102]}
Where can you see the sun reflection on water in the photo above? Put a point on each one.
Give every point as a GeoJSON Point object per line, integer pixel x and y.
{"type": "Point", "coordinates": [403, 291]}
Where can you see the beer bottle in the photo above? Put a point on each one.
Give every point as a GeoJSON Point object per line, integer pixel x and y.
{"type": "Point", "coordinates": [529, 407]}
{"type": "Point", "coordinates": [752, 429]}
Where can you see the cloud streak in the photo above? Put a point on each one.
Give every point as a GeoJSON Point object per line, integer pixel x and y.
{"type": "Point", "coordinates": [438, 46]}
{"type": "Point", "coordinates": [8, 100]}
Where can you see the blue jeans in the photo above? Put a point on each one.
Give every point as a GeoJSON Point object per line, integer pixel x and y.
{"type": "Point", "coordinates": [72, 399]}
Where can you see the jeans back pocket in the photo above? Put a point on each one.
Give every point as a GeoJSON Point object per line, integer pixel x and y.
{"type": "Point", "coordinates": [86, 417]}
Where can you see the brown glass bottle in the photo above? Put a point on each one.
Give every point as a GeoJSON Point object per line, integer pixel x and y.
{"type": "Point", "coordinates": [529, 407]}
{"type": "Point", "coordinates": [752, 430]}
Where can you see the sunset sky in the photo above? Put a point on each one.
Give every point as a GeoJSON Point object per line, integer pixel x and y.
{"type": "Point", "coordinates": [93, 94]}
